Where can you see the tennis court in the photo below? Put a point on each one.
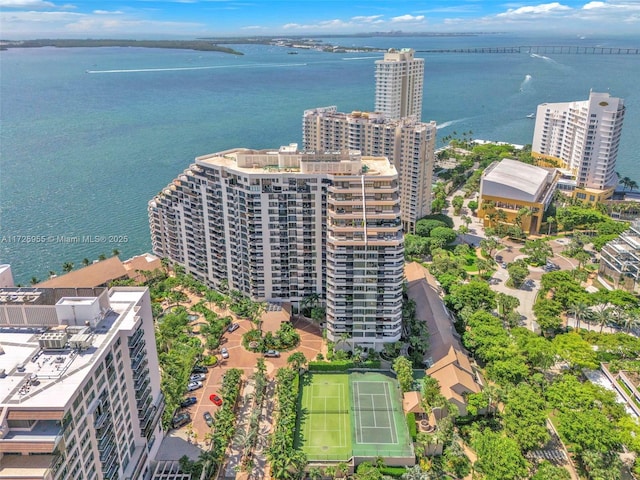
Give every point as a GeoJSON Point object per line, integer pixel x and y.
{"type": "Point", "coordinates": [379, 427]}
{"type": "Point", "coordinates": [324, 409]}
{"type": "Point", "coordinates": [357, 414]}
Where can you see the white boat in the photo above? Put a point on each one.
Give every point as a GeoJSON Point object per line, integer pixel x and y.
{"type": "Point", "coordinates": [531, 115]}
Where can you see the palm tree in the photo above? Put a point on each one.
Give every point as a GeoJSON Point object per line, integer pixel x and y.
{"type": "Point", "coordinates": [582, 257]}
{"type": "Point", "coordinates": [52, 273]}
{"type": "Point", "coordinates": [210, 296]}
{"type": "Point", "coordinates": [297, 360]}
{"type": "Point", "coordinates": [344, 337]}
{"type": "Point", "coordinates": [342, 469]}
{"type": "Point", "coordinates": [115, 252]}
{"type": "Point", "coordinates": [67, 267]}
{"type": "Point", "coordinates": [102, 256]}
{"type": "Point", "coordinates": [330, 471]}
{"type": "Point", "coordinates": [580, 311]}
{"type": "Point", "coordinates": [633, 185]}
{"type": "Point", "coordinates": [625, 181]}
{"type": "Point", "coordinates": [494, 396]}
{"type": "Point", "coordinates": [630, 322]}
{"type": "Point", "coordinates": [501, 216]}
{"type": "Point", "coordinates": [550, 221]}
{"type": "Point", "coordinates": [309, 302]}
{"type": "Point", "coordinates": [602, 315]}
{"type": "Point", "coordinates": [257, 309]}
{"type": "Point", "coordinates": [314, 473]}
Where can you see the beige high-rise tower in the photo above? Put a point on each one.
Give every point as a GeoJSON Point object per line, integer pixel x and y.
{"type": "Point", "coordinates": [399, 84]}
{"type": "Point", "coordinates": [408, 143]}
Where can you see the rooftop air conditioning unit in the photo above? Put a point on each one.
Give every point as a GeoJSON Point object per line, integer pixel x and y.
{"type": "Point", "coordinates": [53, 340]}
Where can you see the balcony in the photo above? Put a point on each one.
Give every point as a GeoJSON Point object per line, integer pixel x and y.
{"type": "Point", "coordinates": [102, 418]}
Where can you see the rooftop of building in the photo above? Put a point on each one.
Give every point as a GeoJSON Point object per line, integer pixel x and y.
{"type": "Point", "coordinates": [449, 362]}
{"type": "Point", "coordinates": [514, 179]}
{"type": "Point", "coordinates": [101, 273]}
{"type": "Point", "coordinates": [141, 263]}
{"type": "Point", "coordinates": [94, 275]}
{"type": "Point", "coordinates": [370, 117]}
{"type": "Point", "coordinates": [288, 159]}
{"type": "Point", "coordinates": [44, 363]}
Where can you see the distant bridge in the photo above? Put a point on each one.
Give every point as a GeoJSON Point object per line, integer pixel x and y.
{"type": "Point", "coordinates": [542, 50]}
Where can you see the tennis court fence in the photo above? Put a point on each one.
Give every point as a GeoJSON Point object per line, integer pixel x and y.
{"type": "Point", "coordinates": [355, 409]}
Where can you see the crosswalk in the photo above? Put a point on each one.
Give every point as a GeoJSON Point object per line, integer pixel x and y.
{"type": "Point", "coordinates": [554, 456]}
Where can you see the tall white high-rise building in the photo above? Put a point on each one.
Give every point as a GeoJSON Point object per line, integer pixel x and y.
{"type": "Point", "coordinates": [79, 384]}
{"type": "Point", "coordinates": [582, 138]}
{"type": "Point", "coordinates": [399, 84]}
{"type": "Point", "coordinates": [408, 143]}
{"type": "Point", "coordinates": [283, 225]}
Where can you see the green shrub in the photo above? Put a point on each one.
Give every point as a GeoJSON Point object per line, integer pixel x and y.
{"type": "Point", "coordinates": [396, 472]}
{"type": "Point", "coordinates": [411, 423]}
{"type": "Point", "coordinates": [335, 366]}
{"type": "Point", "coordinates": [210, 360]}
{"type": "Point", "coordinates": [341, 365]}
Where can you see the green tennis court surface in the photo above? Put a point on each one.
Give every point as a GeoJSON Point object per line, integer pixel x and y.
{"type": "Point", "coordinates": [323, 415]}
{"type": "Point", "coordinates": [379, 426]}
{"type": "Point", "coordinates": [356, 414]}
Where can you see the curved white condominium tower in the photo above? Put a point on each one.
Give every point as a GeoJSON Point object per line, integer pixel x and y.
{"type": "Point", "coordinates": [582, 137]}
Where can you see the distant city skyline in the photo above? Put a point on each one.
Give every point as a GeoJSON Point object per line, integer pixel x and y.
{"type": "Point", "coordinates": [21, 19]}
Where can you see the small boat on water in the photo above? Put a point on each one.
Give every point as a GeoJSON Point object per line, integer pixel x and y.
{"type": "Point", "coordinates": [292, 53]}
{"type": "Point", "coordinates": [531, 115]}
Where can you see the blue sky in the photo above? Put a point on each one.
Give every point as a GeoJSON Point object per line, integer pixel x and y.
{"type": "Point", "coordinates": [194, 18]}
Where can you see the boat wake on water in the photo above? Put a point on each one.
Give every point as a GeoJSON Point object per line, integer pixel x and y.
{"type": "Point", "coordinates": [449, 123]}
{"type": "Point", "coordinates": [179, 69]}
{"type": "Point", "coordinates": [525, 82]}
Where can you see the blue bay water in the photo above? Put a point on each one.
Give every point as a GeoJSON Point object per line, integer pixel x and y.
{"type": "Point", "coordinates": [82, 153]}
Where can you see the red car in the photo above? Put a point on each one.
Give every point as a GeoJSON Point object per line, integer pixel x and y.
{"type": "Point", "coordinates": [215, 399]}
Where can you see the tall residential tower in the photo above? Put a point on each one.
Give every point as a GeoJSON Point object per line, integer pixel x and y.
{"type": "Point", "coordinates": [399, 84]}
{"type": "Point", "coordinates": [582, 138]}
{"type": "Point", "coordinates": [283, 225]}
{"type": "Point", "coordinates": [409, 144]}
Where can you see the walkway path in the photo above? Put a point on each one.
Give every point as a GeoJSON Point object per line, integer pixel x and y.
{"type": "Point", "coordinates": [243, 413]}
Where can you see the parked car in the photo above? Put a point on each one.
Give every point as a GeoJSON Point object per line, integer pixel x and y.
{"type": "Point", "coordinates": [180, 420]}
{"type": "Point", "coordinates": [215, 399]}
{"type": "Point", "coordinates": [233, 327]}
{"type": "Point", "coordinates": [194, 386]}
{"type": "Point", "coordinates": [272, 353]}
{"type": "Point", "coordinates": [196, 377]}
{"type": "Point", "coordinates": [503, 265]}
{"type": "Point", "coordinates": [225, 353]}
{"type": "Point", "coordinates": [199, 369]}
{"type": "Point", "coordinates": [187, 402]}
{"type": "Point", "coordinates": [208, 418]}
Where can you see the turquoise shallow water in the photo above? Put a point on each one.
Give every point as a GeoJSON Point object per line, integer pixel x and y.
{"type": "Point", "coordinates": [82, 153]}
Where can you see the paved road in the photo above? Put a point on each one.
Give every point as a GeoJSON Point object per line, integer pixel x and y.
{"type": "Point", "coordinates": [527, 293]}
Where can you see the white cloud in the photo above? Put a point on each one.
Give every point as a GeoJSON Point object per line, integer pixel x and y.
{"type": "Point", "coordinates": [131, 27]}
{"type": "Point", "coordinates": [535, 10]}
{"type": "Point", "coordinates": [107, 12]}
{"type": "Point", "coordinates": [408, 19]}
{"type": "Point", "coordinates": [253, 27]}
{"type": "Point", "coordinates": [367, 19]}
{"type": "Point", "coordinates": [25, 4]}
{"type": "Point", "coordinates": [592, 5]}
{"type": "Point", "coordinates": [336, 24]}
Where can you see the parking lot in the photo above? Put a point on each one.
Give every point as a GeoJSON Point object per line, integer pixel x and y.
{"type": "Point", "coordinates": [239, 357]}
